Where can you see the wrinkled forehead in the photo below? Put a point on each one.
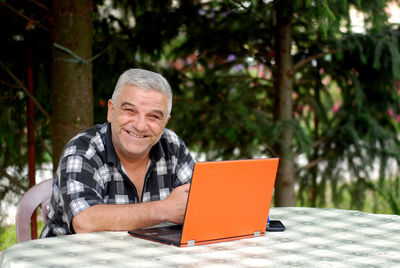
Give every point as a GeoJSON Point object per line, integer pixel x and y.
{"type": "Point", "coordinates": [144, 100]}
{"type": "Point", "coordinates": [118, 98]}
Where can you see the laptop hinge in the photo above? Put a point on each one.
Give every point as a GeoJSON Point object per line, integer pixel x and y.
{"type": "Point", "coordinates": [257, 233]}
{"type": "Point", "coordinates": [190, 243]}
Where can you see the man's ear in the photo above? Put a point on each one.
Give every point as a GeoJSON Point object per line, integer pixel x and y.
{"type": "Point", "coordinates": [166, 121]}
{"type": "Point", "coordinates": [110, 110]}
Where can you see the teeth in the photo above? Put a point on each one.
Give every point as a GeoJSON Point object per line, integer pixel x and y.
{"type": "Point", "coordinates": [134, 135]}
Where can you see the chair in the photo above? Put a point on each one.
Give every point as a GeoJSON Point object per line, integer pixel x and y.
{"type": "Point", "coordinates": [39, 194]}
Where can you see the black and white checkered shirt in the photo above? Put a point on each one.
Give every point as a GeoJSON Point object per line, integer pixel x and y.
{"type": "Point", "coordinates": [90, 173]}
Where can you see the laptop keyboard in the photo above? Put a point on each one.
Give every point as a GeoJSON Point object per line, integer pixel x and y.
{"type": "Point", "coordinates": [172, 237]}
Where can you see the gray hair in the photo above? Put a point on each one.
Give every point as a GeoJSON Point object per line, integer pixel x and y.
{"type": "Point", "coordinates": [146, 80]}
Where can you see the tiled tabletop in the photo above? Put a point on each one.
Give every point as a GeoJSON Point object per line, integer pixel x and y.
{"type": "Point", "coordinates": [313, 238]}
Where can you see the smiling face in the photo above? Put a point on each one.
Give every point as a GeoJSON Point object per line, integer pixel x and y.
{"type": "Point", "coordinates": [138, 118]}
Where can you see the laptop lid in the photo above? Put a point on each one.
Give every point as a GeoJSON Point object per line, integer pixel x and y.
{"type": "Point", "coordinates": [228, 200]}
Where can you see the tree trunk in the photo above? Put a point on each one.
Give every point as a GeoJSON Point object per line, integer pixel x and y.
{"type": "Point", "coordinates": [284, 186]}
{"type": "Point", "coordinates": [72, 92]}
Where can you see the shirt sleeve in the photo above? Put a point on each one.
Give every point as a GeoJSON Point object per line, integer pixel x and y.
{"type": "Point", "coordinates": [185, 165]}
{"type": "Point", "coordinates": [76, 181]}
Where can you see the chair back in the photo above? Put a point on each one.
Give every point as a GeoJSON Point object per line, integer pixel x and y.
{"type": "Point", "coordinates": [39, 194]}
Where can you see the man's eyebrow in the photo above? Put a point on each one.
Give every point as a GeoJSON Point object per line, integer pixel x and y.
{"type": "Point", "coordinates": [127, 103]}
{"type": "Point", "coordinates": [161, 113]}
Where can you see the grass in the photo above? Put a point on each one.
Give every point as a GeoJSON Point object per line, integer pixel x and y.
{"type": "Point", "coordinates": [8, 236]}
{"type": "Point", "coordinates": [381, 199]}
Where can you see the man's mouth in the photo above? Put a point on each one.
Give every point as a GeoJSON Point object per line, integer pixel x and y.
{"type": "Point", "coordinates": [135, 135]}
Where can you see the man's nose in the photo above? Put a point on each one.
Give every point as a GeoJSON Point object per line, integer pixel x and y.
{"type": "Point", "coordinates": [140, 123]}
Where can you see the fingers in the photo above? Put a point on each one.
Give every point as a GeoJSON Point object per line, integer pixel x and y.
{"type": "Point", "coordinates": [181, 192]}
{"type": "Point", "coordinates": [177, 203]}
{"type": "Point", "coordinates": [186, 187]}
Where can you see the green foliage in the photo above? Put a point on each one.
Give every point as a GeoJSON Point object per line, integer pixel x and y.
{"type": "Point", "coordinates": [390, 192]}
{"type": "Point", "coordinates": [19, 36]}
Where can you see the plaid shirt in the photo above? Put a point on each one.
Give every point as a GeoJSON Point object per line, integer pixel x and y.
{"type": "Point", "coordinates": [90, 173]}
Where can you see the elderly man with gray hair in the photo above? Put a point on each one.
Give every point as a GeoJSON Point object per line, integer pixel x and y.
{"type": "Point", "coordinates": [128, 173]}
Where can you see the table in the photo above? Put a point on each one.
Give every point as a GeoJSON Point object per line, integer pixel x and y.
{"type": "Point", "coordinates": [313, 238]}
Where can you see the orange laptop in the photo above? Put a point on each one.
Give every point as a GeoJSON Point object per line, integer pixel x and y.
{"type": "Point", "coordinates": [228, 200]}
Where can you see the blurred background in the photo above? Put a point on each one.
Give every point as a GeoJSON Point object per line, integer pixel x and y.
{"type": "Point", "coordinates": [315, 83]}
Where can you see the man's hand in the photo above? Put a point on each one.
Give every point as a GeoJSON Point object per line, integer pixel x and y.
{"type": "Point", "coordinates": [176, 204]}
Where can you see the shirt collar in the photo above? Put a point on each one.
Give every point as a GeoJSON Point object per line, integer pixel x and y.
{"type": "Point", "coordinates": [157, 151]}
{"type": "Point", "coordinates": [111, 155]}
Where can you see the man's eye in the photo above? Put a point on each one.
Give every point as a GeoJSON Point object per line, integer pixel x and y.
{"type": "Point", "coordinates": [156, 117]}
{"type": "Point", "coordinates": [128, 110]}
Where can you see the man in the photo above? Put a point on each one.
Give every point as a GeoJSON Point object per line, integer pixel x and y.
{"type": "Point", "coordinates": [128, 173]}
